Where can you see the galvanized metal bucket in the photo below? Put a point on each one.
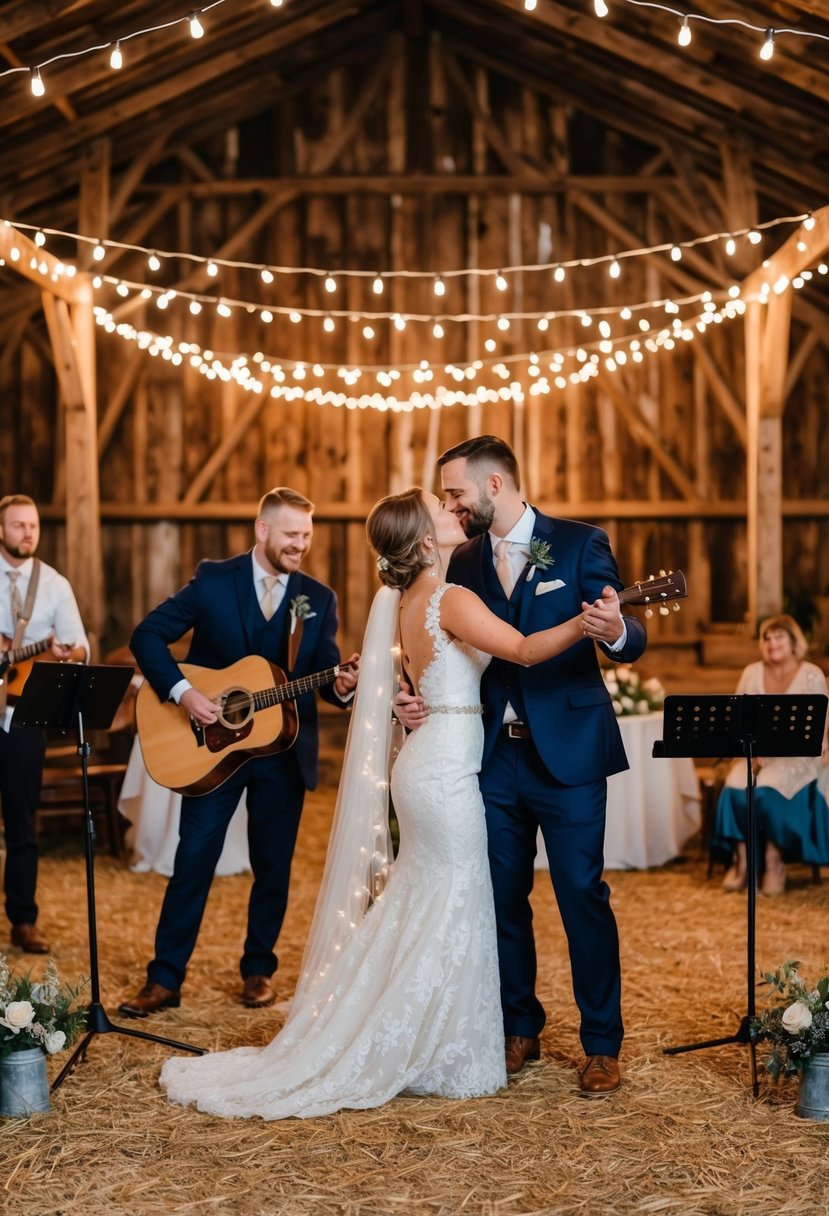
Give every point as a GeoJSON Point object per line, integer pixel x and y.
{"type": "Point", "coordinates": [813, 1101]}
{"type": "Point", "coordinates": [24, 1085]}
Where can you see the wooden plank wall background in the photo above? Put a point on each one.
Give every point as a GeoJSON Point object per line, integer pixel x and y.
{"type": "Point", "coordinates": [651, 453]}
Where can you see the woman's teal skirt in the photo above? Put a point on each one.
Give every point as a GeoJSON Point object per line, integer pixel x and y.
{"type": "Point", "coordinates": [799, 826]}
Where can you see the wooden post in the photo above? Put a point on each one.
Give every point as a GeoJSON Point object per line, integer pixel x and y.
{"type": "Point", "coordinates": [73, 341]}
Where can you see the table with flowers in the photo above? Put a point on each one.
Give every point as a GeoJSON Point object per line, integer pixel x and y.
{"type": "Point", "coordinates": [654, 807]}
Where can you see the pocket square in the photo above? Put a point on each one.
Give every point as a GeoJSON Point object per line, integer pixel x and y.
{"type": "Point", "coordinates": [543, 588]}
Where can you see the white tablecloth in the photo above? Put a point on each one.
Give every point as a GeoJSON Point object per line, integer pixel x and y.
{"type": "Point", "coordinates": [154, 811]}
{"type": "Point", "coordinates": [653, 808]}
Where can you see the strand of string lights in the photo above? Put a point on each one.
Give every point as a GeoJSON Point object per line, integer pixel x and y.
{"type": "Point", "coordinates": [192, 18]}
{"type": "Point", "coordinates": [542, 369]}
{"type": "Point", "coordinates": [685, 17]}
{"type": "Point", "coordinates": [380, 278]}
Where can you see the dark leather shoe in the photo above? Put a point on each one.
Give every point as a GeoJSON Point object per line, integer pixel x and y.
{"type": "Point", "coordinates": [150, 999]}
{"type": "Point", "coordinates": [29, 939]}
{"type": "Point", "coordinates": [258, 992]}
{"type": "Point", "coordinates": [599, 1077]}
{"type": "Point", "coordinates": [518, 1050]}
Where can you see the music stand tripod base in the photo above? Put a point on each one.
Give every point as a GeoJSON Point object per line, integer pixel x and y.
{"type": "Point", "coordinates": [66, 696]}
{"type": "Point", "coordinates": [748, 725]}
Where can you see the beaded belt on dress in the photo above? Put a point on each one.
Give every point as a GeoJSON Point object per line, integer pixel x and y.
{"type": "Point", "coordinates": [456, 709]}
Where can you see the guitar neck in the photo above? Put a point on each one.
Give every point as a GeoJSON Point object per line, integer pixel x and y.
{"type": "Point", "coordinates": [269, 697]}
{"type": "Point", "coordinates": [26, 652]}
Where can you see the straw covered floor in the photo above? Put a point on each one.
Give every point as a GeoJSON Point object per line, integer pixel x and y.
{"type": "Point", "coordinates": [682, 1136]}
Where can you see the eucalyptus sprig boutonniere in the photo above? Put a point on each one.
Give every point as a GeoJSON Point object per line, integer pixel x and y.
{"type": "Point", "coordinates": [539, 558]}
{"type": "Point", "coordinates": [300, 610]}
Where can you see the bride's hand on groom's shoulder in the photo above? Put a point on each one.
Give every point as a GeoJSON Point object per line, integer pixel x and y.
{"type": "Point", "coordinates": [409, 709]}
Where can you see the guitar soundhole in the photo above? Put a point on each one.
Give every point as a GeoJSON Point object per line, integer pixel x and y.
{"type": "Point", "coordinates": [237, 708]}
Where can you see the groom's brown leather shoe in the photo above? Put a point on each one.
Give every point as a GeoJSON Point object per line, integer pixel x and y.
{"type": "Point", "coordinates": [150, 999]}
{"type": "Point", "coordinates": [517, 1050]}
{"type": "Point", "coordinates": [258, 992]}
{"type": "Point", "coordinates": [29, 939]}
{"type": "Point", "coordinates": [599, 1077]}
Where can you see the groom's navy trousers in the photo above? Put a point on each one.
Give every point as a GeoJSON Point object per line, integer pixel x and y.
{"type": "Point", "coordinates": [554, 779]}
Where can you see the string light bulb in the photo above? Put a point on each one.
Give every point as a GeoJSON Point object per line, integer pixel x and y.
{"type": "Point", "coordinates": [684, 35]}
{"type": "Point", "coordinates": [99, 253]}
{"type": "Point", "coordinates": [500, 282]}
{"type": "Point", "coordinates": [809, 222]}
{"type": "Point", "coordinates": [40, 239]}
{"type": "Point", "coordinates": [529, 5]}
{"type": "Point", "coordinates": [676, 253]}
{"type": "Point", "coordinates": [439, 287]}
{"type": "Point", "coordinates": [767, 49]}
{"type": "Point", "coordinates": [601, 8]}
{"type": "Point", "coordinates": [196, 27]}
{"type": "Point", "coordinates": [38, 87]}
{"type": "Point", "coordinates": [116, 59]}
{"type": "Point", "coordinates": [378, 286]}
{"type": "Point", "coordinates": [266, 275]}
{"type": "Point", "coordinates": [212, 269]}
{"type": "Point", "coordinates": [330, 284]}
{"type": "Point", "coordinates": [615, 269]}
{"type": "Point", "coordinates": [731, 246]}
{"type": "Point", "coordinates": [153, 262]}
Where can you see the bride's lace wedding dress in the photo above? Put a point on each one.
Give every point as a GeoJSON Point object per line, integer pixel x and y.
{"type": "Point", "coordinates": [411, 1003]}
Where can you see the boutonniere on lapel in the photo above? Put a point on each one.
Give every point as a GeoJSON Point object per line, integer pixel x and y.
{"type": "Point", "coordinates": [539, 558]}
{"type": "Point", "coordinates": [300, 610]}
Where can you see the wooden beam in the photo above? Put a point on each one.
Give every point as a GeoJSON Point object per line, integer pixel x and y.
{"type": "Point", "coordinates": [58, 102]}
{"type": "Point", "coordinates": [729, 404]}
{"type": "Point", "coordinates": [23, 256]}
{"type": "Point", "coordinates": [242, 423]}
{"type": "Point", "coordinates": [119, 397]}
{"type": "Point", "coordinates": [327, 152]}
{"type": "Point", "coordinates": [331, 512]}
{"type": "Point", "coordinates": [496, 140]}
{"type": "Point", "coordinates": [522, 182]}
{"type": "Point", "coordinates": [642, 433]}
{"type": "Point", "coordinates": [73, 342]}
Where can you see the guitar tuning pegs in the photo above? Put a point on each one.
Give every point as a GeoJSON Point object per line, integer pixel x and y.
{"type": "Point", "coordinates": [662, 574]}
{"type": "Point", "coordinates": [676, 607]}
{"type": "Point", "coordinates": [663, 609]}
{"type": "Point", "coordinates": [649, 612]}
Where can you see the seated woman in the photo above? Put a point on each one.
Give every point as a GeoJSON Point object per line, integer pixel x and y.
{"type": "Point", "coordinates": [790, 811]}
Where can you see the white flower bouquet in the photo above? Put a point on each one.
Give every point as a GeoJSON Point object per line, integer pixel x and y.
{"type": "Point", "coordinates": [797, 1024]}
{"type": "Point", "coordinates": [42, 1014]}
{"type": "Point", "coordinates": [630, 694]}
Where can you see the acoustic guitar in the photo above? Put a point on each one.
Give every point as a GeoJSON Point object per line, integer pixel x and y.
{"type": "Point", "coordinates": [257, 717]}
{"type": "Point", "coordinates": [16, 666]}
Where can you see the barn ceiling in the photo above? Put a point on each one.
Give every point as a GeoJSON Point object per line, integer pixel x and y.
{"type": "Point", "coordinates": [625, 72]}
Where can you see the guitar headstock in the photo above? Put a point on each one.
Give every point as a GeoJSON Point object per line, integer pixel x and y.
{"type": "Point", "coordinates": [669, 585]}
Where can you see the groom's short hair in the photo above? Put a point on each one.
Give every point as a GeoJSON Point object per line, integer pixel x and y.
{"type": "Point", "coordinates": [484, 452]}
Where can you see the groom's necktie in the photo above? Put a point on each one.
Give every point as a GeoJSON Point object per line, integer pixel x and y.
{"type": "Point", "coordinates": [503, 568]}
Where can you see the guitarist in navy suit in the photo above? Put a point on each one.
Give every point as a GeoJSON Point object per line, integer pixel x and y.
{"type": "Point", "coordinates": [551, 741]}
{"type": "Point", "coordinates": [261, 603]}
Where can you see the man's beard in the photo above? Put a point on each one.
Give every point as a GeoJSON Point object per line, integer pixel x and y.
{"type": "Point", "coordinates": [22, 551]}
{"type": "Point", "coordinates": [275, 557]}
{"type": "Point", "coordinates": [478, 518]}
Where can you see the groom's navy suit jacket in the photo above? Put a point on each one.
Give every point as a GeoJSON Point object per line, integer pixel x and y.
{"type": "Point", "coordinates": [220, 605]}
{"type": "Point", "coordinates": [563, 701]}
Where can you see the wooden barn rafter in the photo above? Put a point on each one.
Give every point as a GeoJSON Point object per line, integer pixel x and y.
{"type": "Point", "coordinates": [404, 134]}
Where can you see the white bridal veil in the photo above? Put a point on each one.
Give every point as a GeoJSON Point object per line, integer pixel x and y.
{"type": "Point", "coordinates": [359, 848]}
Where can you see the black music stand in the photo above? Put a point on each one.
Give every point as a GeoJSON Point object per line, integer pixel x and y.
{"type": "Point", "coordinates": [749, 725]}
{"type": "Point", "coordinates": [67, 696]}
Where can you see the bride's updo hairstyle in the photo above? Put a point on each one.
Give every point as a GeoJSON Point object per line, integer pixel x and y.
{"type": "Point", "coordinates": [395, 528]}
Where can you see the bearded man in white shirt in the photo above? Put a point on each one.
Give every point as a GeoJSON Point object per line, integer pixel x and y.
{"type": "Point", "coordinates": [36, 604]}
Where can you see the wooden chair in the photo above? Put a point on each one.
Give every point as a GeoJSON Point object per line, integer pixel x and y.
{"type": "Point", "coordinates": [62, 792]}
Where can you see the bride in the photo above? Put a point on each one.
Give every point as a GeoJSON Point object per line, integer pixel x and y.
{"type": "Point", "coordinates": [399, 987]}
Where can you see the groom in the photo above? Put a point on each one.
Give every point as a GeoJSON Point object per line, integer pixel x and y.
{"type": "Point", "coordinates": [551, 741]}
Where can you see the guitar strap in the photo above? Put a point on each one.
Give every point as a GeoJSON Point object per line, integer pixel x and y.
{"type": "Point", "coordinates": [23, 621]}
{"type": "Point", "coordinates": [294, 640]}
